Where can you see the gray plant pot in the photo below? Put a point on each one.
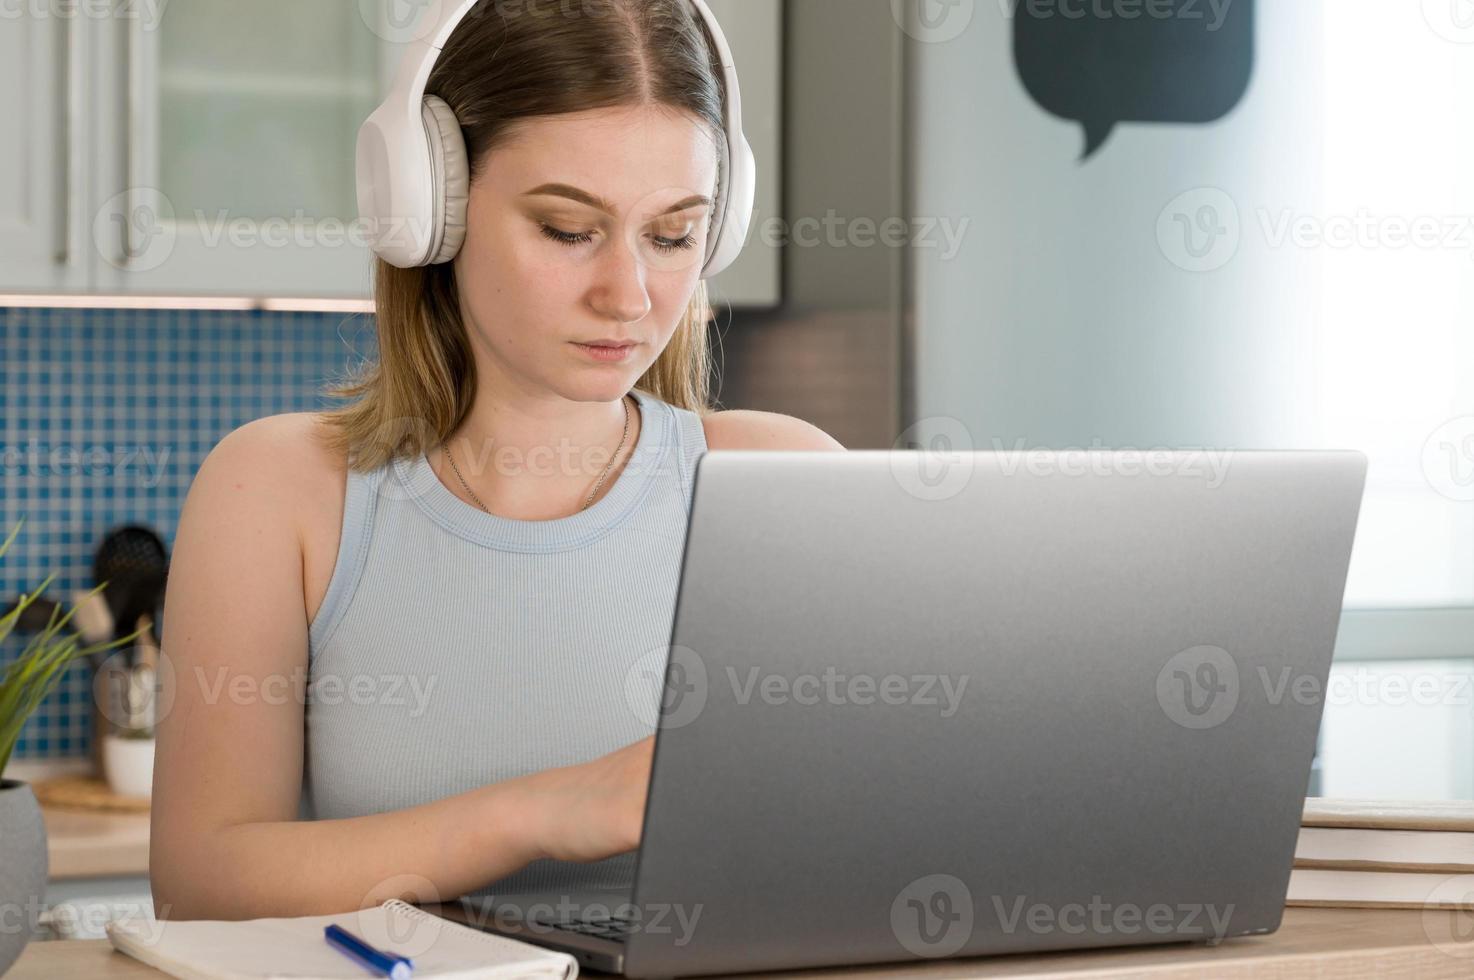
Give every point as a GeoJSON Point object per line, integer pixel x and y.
{"type": "Point", "coordinates": [23, 868]}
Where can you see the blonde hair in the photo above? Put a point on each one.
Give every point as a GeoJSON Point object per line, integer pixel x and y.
{"type": "Point", "coordinates": [496, 69]}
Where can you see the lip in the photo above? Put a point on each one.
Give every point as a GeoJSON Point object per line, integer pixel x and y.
{"type": "Point", "coordinates": [605, 343]}
{"type": "Point", "coordinates": [603, 352]}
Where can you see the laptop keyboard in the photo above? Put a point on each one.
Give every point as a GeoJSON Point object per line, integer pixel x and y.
{"type": "Point", "coordinates": [604, 926]}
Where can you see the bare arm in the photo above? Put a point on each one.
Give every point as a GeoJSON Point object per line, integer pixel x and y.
{"type": "Point", "coordinates": [225, 839]}
{"type": "Point", "coordinates": [742, 429]}
{"type": "Point", "coordinates": [226, 843]}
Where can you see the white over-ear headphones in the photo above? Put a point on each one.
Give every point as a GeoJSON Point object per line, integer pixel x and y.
{"type": "Point", "coordinates": [414, 175]}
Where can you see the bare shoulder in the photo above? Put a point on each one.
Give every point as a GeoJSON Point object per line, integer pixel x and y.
{"type": "Point", "coordinates": [741, 429]}
{"type": "Point", "coordinates": [282, 464]}
{"type": "Point", "coordinates": [278, 478]}
{"type": "Point", "coordinates": [279, 452]}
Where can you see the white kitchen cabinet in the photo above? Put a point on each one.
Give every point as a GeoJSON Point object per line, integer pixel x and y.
{"type": "Point", "coordinates": [43, 62]}
{"type": "Point", "coordinates": [205, 147]}
{"type": "Point", "coordinates": [236, 151]}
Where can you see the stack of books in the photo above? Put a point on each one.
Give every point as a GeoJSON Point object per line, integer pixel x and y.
{"type": "Point", "coordinates": [1362, 854]}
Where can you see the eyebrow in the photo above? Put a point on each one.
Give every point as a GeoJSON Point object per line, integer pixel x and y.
{"type": "Point", "coordinates": [594, 201]}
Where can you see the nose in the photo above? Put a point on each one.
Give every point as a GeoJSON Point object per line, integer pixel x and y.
{"type": "Point", "coordinates": [619, 292]}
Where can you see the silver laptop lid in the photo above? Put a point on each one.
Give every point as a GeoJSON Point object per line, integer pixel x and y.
{"type": "Point", "coordinates": [1015, 702]}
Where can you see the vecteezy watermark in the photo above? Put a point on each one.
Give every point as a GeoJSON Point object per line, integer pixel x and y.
{"type": "Point", "coordinates": [1199, 687]}
{"type": "Point", "coordinates": [1100, 917]}
{"type": "Point", "coordinates": [936, 915]}
{"type": "Point", "coordinates": [545, 916]}
{"type": "Point", "coordinates": [1201, 230]}
{"type": "Point", "coordinates": [1202, 686]}
{"type": "Point", "coordinates": [34, 459]}
{"type": "Point", "coordinates": [86, 919]}
{"type": "Point", "coordinates": [23, 916]}
{"type": "Point", "coordinates": [1448, 914]}
{"type": "Point", "coordinates": [834, 230]}
{"type": "Point", "coordinates": [326, 688]}
{"type": "Point", "coordinates": [1209, 465]}
{"type": "Point", "coordinates": [1211, 13]}
{"type": "Point", "coordinates": [833, 687]}
{"type": "Point", "coordinates": [933, 916]}
{"type": "Point", "coordinates": [1448, 459]}
{"type": "Point", "coordinates": [301, 231]}
{"type": "Point", "coordinates": [138, 230]}
{"type": "Point", "coordinates": [933, 458]}
{"type": "Point", "coordinates": [933, 21]}
{"type": "Point", "coordinates": [667, 687]}
{"type": "Point", "coordinates": [1364, 229]}
{"type": "Point", "coordinates": [672, 691]}
{"type": "Point", "coordinates": [403, 21]}
{"type": "Point", "coordinates": [1367, 687]}
{"type": "Point", "coordinates": [149, 12]}
{"type": "Point", "coordinates": [81, 919]}
{"type": "Point", "coordinates": [562, 459]}
{"type": "Point", "coordinates": [1452, 20]}
{"type": "Point", "coordinates": [129, 699]}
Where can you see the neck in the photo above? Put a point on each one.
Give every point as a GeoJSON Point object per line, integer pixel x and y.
{"type": "Point", "coordinates": [516, 428]}
{"type": "Point", "coordinates": [538, 457]}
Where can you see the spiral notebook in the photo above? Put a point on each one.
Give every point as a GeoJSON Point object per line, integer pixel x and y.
{"type": "Point", "coordinates": [276, 949]}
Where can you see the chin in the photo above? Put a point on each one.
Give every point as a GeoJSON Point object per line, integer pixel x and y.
{"type": "Point", "coordinates": [609, 388]}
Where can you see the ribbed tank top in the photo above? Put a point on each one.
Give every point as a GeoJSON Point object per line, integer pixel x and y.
{"type": "Point", "coordinates": [455, 648]}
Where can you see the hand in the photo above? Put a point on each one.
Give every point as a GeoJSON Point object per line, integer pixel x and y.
{"type": "Point", "coordinates": [593, 810]}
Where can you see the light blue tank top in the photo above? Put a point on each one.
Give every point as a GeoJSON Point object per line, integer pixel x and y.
{"type": "Point", "coordinates": [455, 648]}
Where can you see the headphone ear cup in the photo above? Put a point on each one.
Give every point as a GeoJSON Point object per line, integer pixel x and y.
{"type": "Point", "coordinates": [452, 169]}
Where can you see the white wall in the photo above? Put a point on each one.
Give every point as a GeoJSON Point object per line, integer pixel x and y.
{"type": "Point", "coordinates": [1062, 321]}
{"type": "Point", "coordinates": [1068, 320]}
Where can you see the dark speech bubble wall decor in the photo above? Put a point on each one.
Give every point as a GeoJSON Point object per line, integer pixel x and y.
{"type": "Point", "coordinates": [1103, 62]}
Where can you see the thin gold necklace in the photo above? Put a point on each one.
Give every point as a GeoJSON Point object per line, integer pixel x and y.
{"type": "Point", "coordinates": [587, 502]}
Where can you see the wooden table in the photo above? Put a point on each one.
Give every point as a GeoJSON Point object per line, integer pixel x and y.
{"type": "Point", "coordinates": [1327, 944]}
{"type": "Point", "coordinates": [90, 845]}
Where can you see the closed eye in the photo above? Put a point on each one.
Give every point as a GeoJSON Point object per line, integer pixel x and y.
{"type": "Point", "coordinates": [565, 237]}
{"type": "Point", "coordinates": [573, 240]}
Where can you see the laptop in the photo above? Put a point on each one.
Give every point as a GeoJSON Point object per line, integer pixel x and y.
{"type": "Point", "coordinates": [922, 706]}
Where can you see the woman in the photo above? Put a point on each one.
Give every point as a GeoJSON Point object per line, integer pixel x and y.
{"type": "Point", "coordinates": [468, 562]}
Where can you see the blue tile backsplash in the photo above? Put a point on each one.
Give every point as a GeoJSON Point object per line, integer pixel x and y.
{"type": "Point", "coordinates": [105, 415]}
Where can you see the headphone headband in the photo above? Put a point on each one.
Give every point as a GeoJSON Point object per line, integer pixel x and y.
{"type": "Point", "coordinates": [411, 159]}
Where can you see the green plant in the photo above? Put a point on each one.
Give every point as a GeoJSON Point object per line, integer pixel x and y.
{"type": "Point", "coordinates": [33, 676]}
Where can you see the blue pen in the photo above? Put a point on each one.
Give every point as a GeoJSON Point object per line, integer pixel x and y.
{"type": "Point", "coordinates": [388, 964]}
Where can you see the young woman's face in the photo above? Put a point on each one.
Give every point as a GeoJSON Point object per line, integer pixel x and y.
{"type": "Point", "coordinates": [586, 227]}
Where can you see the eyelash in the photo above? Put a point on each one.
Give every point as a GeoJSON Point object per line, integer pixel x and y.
{"type": "Point", "coordinates": [573, 241]}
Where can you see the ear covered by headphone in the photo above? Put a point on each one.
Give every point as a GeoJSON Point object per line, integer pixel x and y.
{"type": "Point", "coordinates": [414, 173]}
{"type": "Point", "coordinates": [452, 171]}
